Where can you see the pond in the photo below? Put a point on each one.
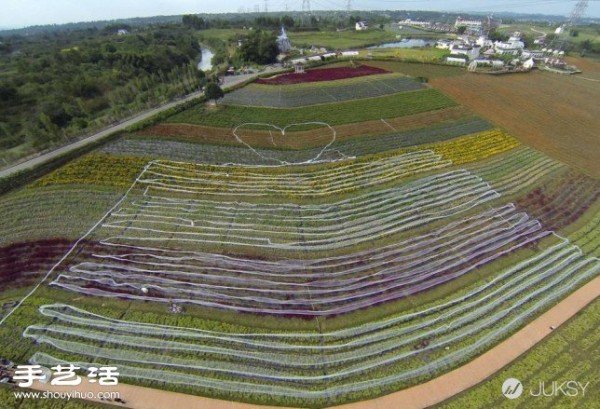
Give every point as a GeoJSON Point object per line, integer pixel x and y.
{"type": "Point", "coordinates": [406, 43]}
{"type": "Point", "coordinates": [205, 63]}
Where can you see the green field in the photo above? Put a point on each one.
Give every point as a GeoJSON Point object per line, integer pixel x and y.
{"type": "Point", "coordinates": [334, 114]}
{"type": "Point", "coordinates": [335, 40]}
{"type": "Point", "coordinates": [411, 54]}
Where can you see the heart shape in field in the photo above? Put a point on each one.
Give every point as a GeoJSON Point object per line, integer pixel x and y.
{"type": "Point", "coordinates": [268, 147]}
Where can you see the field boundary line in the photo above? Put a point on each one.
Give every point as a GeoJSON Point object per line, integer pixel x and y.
{"type": "Point", "coordinates": [68, 253]}
{"type": "Point", "coordinates": [587, 79]}
{"type": "Point", "coordinates": [388, 124]}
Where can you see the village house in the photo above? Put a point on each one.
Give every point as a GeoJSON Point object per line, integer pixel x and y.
{"type": "Point", "coordinates": [362, 25]}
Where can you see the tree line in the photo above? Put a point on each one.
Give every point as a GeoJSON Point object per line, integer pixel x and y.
{"type": "Point", "coordinates": [59, 85]}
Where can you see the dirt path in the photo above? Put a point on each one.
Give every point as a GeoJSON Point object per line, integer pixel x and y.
{"type": "Point", "coordinates": [419, 396]}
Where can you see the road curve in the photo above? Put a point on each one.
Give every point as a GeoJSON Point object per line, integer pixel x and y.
{"type": "Point", "coordinates": [417, 397]}
{"type": "Point", "coordinates": [38, 160]}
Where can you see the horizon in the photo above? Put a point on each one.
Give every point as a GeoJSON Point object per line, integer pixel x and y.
{"type": "Point", "coordinates": [27, 13]}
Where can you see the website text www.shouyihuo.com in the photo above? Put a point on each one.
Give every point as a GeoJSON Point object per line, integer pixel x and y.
{"type": "Point", "coordinates": [108, 396]}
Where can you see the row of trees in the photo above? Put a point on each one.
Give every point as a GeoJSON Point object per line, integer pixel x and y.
{"type": "Point", "coordinates": [58, 85]}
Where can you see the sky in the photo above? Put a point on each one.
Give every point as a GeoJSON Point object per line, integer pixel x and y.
{"type": "Point", "coordinates": [22, 13]}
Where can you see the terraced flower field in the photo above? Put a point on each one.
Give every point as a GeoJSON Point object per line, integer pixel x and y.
{"type": "Point", "coordinates": [299, 272]}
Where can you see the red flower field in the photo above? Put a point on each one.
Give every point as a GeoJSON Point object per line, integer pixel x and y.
{"type": "Point", "coordinates": [323, 74]}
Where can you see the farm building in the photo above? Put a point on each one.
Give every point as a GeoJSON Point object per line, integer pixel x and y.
{"type": "Point", "coordinates": [469, 51]}
{"type": "Point", "coordinates": [443, 44]}
{"type": "Point", "coordinates": [532, 54]}
{"type": "Point", "coordinates": [529, 64]}
{"type": "Point", "coordinates": [457, 59]}
{"type": "Point", "coordinates": [484, 41]}
{"type": "Point", "coordinates": [362, 25]}
{"type": "Point", "coordinates": [509, 47]}
{"type": "Point", "coordinates": [473, 25]}
{"type": "Point", "coordinates": [415, 23]}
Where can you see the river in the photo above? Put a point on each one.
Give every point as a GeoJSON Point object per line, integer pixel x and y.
{"type": "Point", "coordinates": [205, 63]}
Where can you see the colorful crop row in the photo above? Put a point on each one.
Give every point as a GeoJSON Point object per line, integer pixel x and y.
{"type": "Point", "coordinates": [299, 287]}
{"type": "Point", "coordinates": [369, 87]}
{"type": "Point", "coordinates": [391, 106]}
{"type": "Point", "coordinates": [96, 169]}
{"type": "Point", "coordinates": [322, 74]}
{"type": "Point", "coordinates": [52, 212]}
{"type": "Point", "coordinates": [348, 147]}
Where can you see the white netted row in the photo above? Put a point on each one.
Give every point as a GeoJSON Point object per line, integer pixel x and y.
{"type": "Point", "coordinates": [398, 280]}
{"type": "Point", "coordinates": [371, 344]}
{"type": "Point", "coordinates": [357, 205]}
{"type": "Point", "coordinates": [559, 278]}
{"type": "Point", "coordinates": [419, 246]}
{"type": "Point", "coordinates": [397, 270]}
{"type": "Point", "coordinates": [412, 211]}
{"type": "Point", "coordinates": [161, 178]}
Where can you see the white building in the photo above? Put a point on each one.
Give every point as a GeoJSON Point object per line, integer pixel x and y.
{"type": "Point", "coordinates": [362, 26]}
{"type": "Point", "coordinates": [509, 47]}
{"type": "Point", "coordinates": [409, 22]}
{"type": "Point", "coordinates": [443, 44]}
{"type": "Point", "coordinates": [483, 41]}
{"type": "Point", "coordinates": [532, 54]}
{"type": "Point", "coordinates": [468, 51]}
{"type": "Point", "coordinates": [457, 60]}
{"type": "Point", "coordinates": [470, 24]}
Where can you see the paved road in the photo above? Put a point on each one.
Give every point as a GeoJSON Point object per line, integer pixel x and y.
{"type": "Point", "coordinates": [38, 160]}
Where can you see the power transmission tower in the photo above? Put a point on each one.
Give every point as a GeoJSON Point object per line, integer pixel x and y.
{"type": "Point", "coordinates": [286, 5]}
{"type": "Point", "coordinates": [306, 6]}
{"type": "Point", "coordinates": [266, 10]}
{"type": "Point", "coordinates": [574, 18]}
{"type": "Point", "coordinates": [349, 5]}
{"type": "Point", "coordinates": [577, 12]}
